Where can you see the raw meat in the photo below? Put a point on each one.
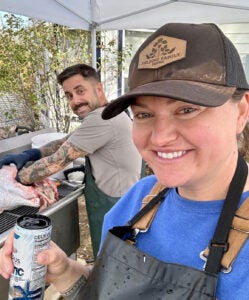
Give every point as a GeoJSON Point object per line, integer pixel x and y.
{"type": "Point", "coordinates": [14, 194]}
{"type": "Point", "coordinates": [47, 192]}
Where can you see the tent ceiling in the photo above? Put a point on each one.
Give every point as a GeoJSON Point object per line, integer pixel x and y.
{"type": "Point", "coordinates": [129, 14]}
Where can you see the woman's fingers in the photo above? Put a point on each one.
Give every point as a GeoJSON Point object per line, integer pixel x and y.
{"type": "Point", "coordinates": [55, 259]}
{"type": "Point", "coordinates": [6, 265]}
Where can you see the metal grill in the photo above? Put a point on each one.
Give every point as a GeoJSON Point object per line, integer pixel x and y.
{"type": "Point", "coordinates": [8, 218]}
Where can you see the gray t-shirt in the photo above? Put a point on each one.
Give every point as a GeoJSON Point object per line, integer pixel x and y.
{"type": "Point", "coordinates": [115, 161]}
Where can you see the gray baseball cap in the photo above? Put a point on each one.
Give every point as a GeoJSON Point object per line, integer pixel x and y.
{"type": "Point", "coordinates": [195, 63]}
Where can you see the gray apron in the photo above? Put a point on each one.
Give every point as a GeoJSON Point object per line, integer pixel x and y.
{"type": "Point", "coordinates": [123, 272]}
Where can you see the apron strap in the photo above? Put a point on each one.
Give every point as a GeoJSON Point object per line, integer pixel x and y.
{"type": "Point", "coordinates": [219, 244]}
{"type": "Point", "coordinates": [238, 234]}
{"type": "Point", "coordinates": [143, 219]}
{"type": "Point", "coordinates": [143, 223]}
{"type": "Point", "coordinates": [149, 207]}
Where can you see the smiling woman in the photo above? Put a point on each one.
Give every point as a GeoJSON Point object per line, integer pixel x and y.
{"type": "Point", "coordinates": [175, 139]}
{"type": "Point", "coordinates": [188, 115]}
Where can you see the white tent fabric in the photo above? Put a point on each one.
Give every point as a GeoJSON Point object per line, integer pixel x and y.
{"type": "Point", "coordinates": [129, 14]}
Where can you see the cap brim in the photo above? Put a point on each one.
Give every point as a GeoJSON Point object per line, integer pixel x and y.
{"type": "Point", "coordinates": [188, 91]}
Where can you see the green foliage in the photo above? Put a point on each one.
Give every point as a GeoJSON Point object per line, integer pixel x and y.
{"type": "Point", "coordinates": [31, 55]}
{"type": "Point", "coordinates": [10, 114]}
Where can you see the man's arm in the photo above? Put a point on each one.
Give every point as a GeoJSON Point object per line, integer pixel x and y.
{"type": "Point", "coordinates": [52, 147]}
{"type": "Point", "coordinates": [51, 164]}
{"type": "Point", "coordinates": [31, 155]}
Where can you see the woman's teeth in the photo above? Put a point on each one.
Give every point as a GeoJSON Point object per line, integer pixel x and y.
{"type": "Point", "coordinates": [171, 155]}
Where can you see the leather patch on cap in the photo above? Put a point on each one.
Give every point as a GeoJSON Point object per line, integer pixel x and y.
{"type": "Point", "coordinates": [162, 51]}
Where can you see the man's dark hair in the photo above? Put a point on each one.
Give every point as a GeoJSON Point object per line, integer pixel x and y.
{"type": "Point", "coordinates": [80, 69]}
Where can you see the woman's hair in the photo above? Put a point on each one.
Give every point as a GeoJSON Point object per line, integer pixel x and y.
{"type": "Point", "coordinates": [243, 138]}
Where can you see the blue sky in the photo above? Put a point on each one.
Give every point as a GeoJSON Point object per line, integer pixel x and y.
{"type": "Point", "coordinates": [2, 13]}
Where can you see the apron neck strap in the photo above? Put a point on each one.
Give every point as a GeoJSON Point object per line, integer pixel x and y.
{"type": "Point", "coordinates": [150, 204]}
{"type": "Point", "coordinates": [219, 245]}
{"type": "Point", "coordinates": [142, 220]}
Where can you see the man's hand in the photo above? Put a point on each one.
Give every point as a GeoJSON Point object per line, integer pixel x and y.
{"type": "Point", "coordinates": [21, 159]}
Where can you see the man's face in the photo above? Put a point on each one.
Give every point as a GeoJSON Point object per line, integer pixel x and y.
{"type": "Point", "coordinates": [186, 145]}
{"type": "Point", "coordinates": [83, 95]}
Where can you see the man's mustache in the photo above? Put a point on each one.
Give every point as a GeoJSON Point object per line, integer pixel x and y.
{"type": "Point", "coordinates": [77, 106]}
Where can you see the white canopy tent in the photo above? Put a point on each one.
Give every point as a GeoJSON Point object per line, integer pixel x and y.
{"type": "Point", "coordinates": [129, 14]}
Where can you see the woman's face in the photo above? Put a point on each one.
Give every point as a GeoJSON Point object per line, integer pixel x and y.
{"type": "Point", "coordinates": [188, 146]}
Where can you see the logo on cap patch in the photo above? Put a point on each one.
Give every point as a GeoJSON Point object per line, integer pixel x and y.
{"type": "Point", "coordinates": [162, 51]}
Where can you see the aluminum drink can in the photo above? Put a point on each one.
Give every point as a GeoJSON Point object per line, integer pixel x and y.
{"type": "Point", "coordinates": [32, 234]}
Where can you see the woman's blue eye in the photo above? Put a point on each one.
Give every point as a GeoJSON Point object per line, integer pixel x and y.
{"type": "Point", "coordinates": [142, 115]}
{"type": "Point", "coordinates": [187, 110]}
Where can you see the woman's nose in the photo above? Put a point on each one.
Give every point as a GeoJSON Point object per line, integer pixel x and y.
{"type": "Point", "coordinates": [164, 132]}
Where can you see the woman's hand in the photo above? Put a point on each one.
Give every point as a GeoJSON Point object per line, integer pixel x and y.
{"type": "Point", "coordinates": [56, 260]}
{"type": "Point", "coordinates": [62, 271]}
{"type": "Point", "coordinates": [6, 265]}
{"type": "Point", "coordinates": [54, 257]}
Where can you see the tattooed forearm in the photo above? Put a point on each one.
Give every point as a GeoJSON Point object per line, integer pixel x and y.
{"type": "Point", "coordinates": [49, 165]}
{"type": "Point", "coordinates": [52, 147]}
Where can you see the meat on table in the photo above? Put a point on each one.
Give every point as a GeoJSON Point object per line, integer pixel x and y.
{"type": "Point", "coordinates": [14, 194]}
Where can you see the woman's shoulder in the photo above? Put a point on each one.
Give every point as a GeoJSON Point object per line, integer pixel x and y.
{"type": "Point", "coordinates": [129, 204]}
{"type": "Point", "coordinates": [131, 201]}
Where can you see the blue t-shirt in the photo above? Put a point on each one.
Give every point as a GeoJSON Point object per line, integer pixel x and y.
{"type": "Point", "coordinates": [180, 230]}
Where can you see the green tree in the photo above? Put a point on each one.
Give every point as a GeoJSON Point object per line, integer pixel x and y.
{"type": "Point", "coordinates": [33, 52]}
{"type": "Point", "coordinates": [31, 55]}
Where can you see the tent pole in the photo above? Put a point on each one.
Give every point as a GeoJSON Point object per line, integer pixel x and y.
{"type": "Point", "coordinates": [120, 51]}
{"type": "Point", "coordinates": [93, 41]}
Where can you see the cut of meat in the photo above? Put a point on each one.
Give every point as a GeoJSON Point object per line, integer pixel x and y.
{"type": "Point", "coordinates": [47, 192]}
{"type": "Point", "coordinates": [14, 194]}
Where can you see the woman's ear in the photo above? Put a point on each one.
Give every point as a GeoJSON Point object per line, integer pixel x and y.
{"type": "Point", "coordinates": [243, 106]}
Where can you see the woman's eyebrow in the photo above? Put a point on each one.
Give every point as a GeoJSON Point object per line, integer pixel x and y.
{"type": "Point", "coordinates": [142, 104]}
{"type": "Point", "coordinates": [135, 103]}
